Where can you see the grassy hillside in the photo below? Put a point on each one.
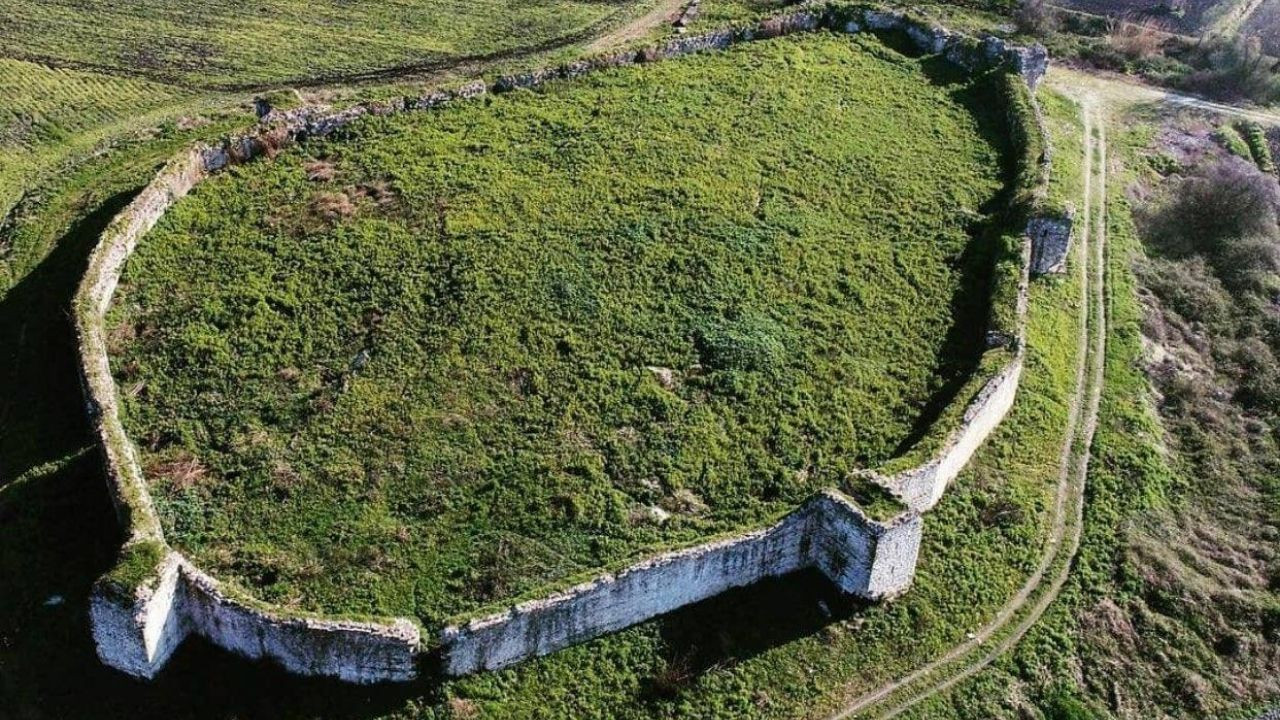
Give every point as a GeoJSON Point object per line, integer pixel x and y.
{"type": "Point", "coordinates": [232, 42]}
{"type": "Point", "coordinates": [575, 325]}
{"type": "Point", "coordinates": [1174, 609]}
{"type": "Point", "coordinates": [47, 115]}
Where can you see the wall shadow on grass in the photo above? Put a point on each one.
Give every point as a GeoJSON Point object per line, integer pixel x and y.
{"type": "Point", "coordinates": [42, 415]}
{"type": "Point", "coordinates": [740, 624]}
{"type": "Point", "coordinates": [60, 534]}
{"type": "Point", "coordinates": [971, 305]}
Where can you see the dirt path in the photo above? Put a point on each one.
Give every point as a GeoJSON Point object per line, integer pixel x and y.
{"type": "Point", "coordinates": [666, 11]}
{"type": "Point", "coordinates": [1017, 616]}
{"type": "Point", "coordinates": [1025, 608]}
{"type": "Point", "coordinates": [1120, 92]}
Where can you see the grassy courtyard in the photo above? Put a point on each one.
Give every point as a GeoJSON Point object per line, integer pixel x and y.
{"type": "Point", "coordinates": [553, 331]}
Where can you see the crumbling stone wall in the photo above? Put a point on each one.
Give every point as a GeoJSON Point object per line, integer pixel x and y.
{"type": "Point", "coordinates": [136, 628]}
{"type": "Point", "coordinates": [137, 633]}
{"type": "Point", "coordinates": [871, 559]}
{"type": "Point", "coordinates": [921, 487]}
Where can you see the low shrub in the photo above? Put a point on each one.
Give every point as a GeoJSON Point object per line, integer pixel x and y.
{"type": "Point", "coordinates": [1255, 139]}
{"type": "Point", "coordinates": [1137, 40]}
{"type": "Point", "coordinates": [1036, 17]}
{"type": "Point", "coordinates": [1232, 68]}
{"type": "Point", "coordinates": [1231, 141]}
{"type": "Point", "coordinates": [1223, 202]}
{"type": "Point", "coordinates": [1065, 705]}
{"type": "Point", "coordinates": [751, 343]}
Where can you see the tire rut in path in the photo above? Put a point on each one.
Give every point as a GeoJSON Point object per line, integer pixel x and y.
{"type": "Point", "coordinates": [1065, 531]}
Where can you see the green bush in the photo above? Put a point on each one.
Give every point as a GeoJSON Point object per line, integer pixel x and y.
{"type": "Point", "coordinates": [1229, 138]}
{"type": "Point", "coordinates": [1065, 705]}
{"type": "Point", "coordinates": [1259, 148]}
{"type": "Point", "coordinates": [753, 343]}
{"type": "Point", "coordinates": [1232, 68]}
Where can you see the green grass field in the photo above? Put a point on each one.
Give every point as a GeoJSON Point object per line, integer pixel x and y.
{"type": "Point", "coordinates": [48, 115]}
{"type": "Point", "coordinates": [766, 652]}
{"type": "Point", "coordinates": [234, 43]}
{"type": "Point", "coordinates": [415, 371]}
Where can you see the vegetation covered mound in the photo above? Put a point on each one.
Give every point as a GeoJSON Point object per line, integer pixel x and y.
{"type": "Point", "coordinates": [461, 356]}
{"type": "Point", "coordinates": [230, 42]}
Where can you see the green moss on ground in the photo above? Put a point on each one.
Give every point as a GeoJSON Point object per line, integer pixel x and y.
{"type": "Point", "coordinates": [136, 566]}
{"type": "Point", "coordinates": [427, 367]}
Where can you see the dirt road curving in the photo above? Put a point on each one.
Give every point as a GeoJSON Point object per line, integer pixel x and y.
{"type": "Point", "coordinates": [1025, 608]}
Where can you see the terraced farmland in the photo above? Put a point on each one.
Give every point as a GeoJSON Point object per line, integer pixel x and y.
{"type": "Point", "coordinates": [234, 43]}
{"type": "Point", "coordinates": [48, 115]}
{"type": "Point", "coordinates": [459, 356]}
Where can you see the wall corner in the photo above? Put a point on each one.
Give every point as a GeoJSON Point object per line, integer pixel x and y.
{"type": "Point", "coordinates": [893, 563]}
{"type": "Point", "coordinates": [135, 630]}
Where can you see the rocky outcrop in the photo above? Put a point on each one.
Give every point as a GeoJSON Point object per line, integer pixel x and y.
{"type": "Point", "coordinates": [688, 14]}
{"type": "Point", "coordinates": [1031, 62]}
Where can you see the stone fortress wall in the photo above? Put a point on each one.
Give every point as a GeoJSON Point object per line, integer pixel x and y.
{"type": "Point", "coordinates": [872, 559]}
{"type": "Point", "coordinates": [155, 598]}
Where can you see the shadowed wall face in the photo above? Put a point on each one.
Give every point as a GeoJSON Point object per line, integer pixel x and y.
{"type": "Point", "coordinates": [862, 557]}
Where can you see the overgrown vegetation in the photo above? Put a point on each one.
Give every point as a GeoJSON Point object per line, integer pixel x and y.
{"type": "Point", "coordinates": [1231, 68]}
{"type": "Point", "coordinates": [1222, 214]}
{"type": "Point", "coordinates": [1171, 611]}
{"type": "Point", "coordinates": [1264, 24]}
{"type": "Point", "coordinates": [1223, 65]}
{"type": "Point", "coordinates": [782, 660]}
{"type": "Point", "coordinates": [629, 311]}
{"type": "Point", "coordinates": [1259, 146]}
{"type": "Point", "coordinates": [1036, 17]}
{"type": "Point", "coordinates": [772, 651]}
{"type": "Point", "coordinates": [60, 533]}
